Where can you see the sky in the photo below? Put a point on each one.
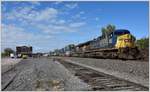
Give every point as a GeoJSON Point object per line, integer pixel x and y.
{"type": "Point", "coordinates": [52, 25]}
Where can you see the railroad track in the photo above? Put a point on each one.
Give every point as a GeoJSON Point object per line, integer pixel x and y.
{"type": "Point", "coordinates": [10, 75]}
{"type": "Point", "coordinates": [99, 81]}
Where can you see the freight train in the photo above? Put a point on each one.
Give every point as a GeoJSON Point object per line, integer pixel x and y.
{"type": "Point", "coordinates": [119, 43]}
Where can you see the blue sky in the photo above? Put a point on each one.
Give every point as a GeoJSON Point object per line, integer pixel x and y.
{"type": "Point", "coordinates": [50, 25]}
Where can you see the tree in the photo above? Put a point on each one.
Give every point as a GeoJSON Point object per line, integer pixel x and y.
{"type": "Point", "coordinates": [3, 54]}
{"type": "Point", "coordinates": [7, 51]}
{"type": "Point", "coordinates": [143, 43]}
{"type": "Point", "coordinates": [107, 31]}
{"type": "Point", "coordinates": [103, 30]}
{"type": "Point", "coordinates": [110, 28]}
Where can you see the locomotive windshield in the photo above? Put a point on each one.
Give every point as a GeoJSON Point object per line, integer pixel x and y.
{"type": "Point", "coordinates": [117, 33]}
{"type": "Point", "coordinates": [121, 32]}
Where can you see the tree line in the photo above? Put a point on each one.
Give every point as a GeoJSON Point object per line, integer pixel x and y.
{"type": "Point", "coordinates": [143, 43]}
{"type": "Point", "coordinates": [7, 52]}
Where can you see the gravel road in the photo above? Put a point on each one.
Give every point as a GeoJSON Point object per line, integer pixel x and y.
{"type": "Point", "coordinates": [41, 75]}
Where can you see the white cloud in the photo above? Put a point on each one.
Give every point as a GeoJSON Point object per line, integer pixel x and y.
{"type": "Point", "coordinates": [46, 21]}
{"type": "Point", "coordinates": [79, 24]}
{"type": "Point", "coordinates": [79, 15]}
{"type": "Point", "coordinates": [3, 8]}
{"type": "Point", "coordinates": [35, 2]}
{"type": "Point", "coordinates": [71, 5]}
{"type": "Point", "coordinates": [46, 14]}
{"type": "Point", "coordinates": [64, 29]}
{"type": "Point", "coordinates": [61, 27]}
{"type": "Point", "coordinates": [55, 29]}
{"type": "Point", "coordinates": [29, 14]}
{"type": "Point", "coordinates": [96, 18]}
{"type": "Point", "coordinates": [61, 21]}
{"type": "Point", "coordinates": [82, 12]}
{"type": "Point", "coordinates": [57, 2]}
{"type": "Point", "coordinates": [13, 36]}
{"type": "Point", "coordinates": [83, 18]}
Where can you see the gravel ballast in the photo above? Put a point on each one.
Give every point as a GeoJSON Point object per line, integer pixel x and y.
{"type": "Point", "coordinates": [8, 63]}
{"type": "Point", "coordinates": [45, 75]}
{"type": "Point", "coordinates": [134, 71]}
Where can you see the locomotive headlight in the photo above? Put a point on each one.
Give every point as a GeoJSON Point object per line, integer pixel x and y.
{"type": "Point", "coordinates": [127, 40]}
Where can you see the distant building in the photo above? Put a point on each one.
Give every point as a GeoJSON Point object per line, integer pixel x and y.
{"type": "Point", "coordinates": [24, 50]}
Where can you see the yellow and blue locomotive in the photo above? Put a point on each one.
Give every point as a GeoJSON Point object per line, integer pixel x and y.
{"type": "Point", "coordinates": [117, 44]}
{"type": "Point", "coordinates": [120, 38]}
{"type": "Point", "coordinates": [124, 39]}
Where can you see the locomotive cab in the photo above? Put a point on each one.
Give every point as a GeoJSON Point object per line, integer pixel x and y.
{"type": "Point", "coordinates": [122, 39]}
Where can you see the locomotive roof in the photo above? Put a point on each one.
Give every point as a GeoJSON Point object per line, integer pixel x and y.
{"type": "Point", "coordinates": [120, 31]}
{"type": "Point", "coordinates": [85, 43]}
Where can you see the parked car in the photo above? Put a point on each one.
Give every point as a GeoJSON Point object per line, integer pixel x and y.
{"type": "Point", "coordinates": [12, 55]}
